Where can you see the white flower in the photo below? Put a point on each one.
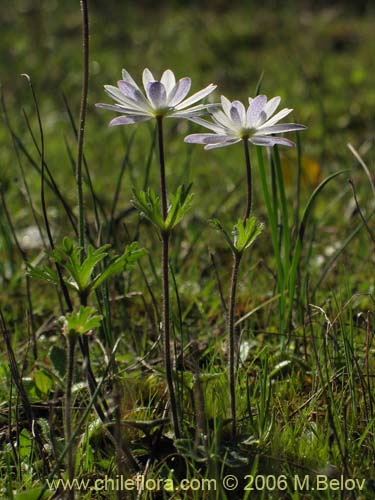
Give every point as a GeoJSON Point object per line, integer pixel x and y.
{"type": "Point", "coordinates": [164, 98]}
{"type": "Point", "coordinates": [233, 123]}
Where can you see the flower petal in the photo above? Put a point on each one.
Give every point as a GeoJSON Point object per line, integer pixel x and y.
{"type": "Point", "coordinates": [194, 111]}
{"type": "Point", "coordinates": [211, 126]}
{"type": "Point", "coordinates": [271, 106]}
{"type": "Point", "coordinates": [127, 120]}
{"type": "Point", "coordinates": [260, 140]}
{"type": "Point", "coordinates": [128, 78]}
{"type": "Point", "coordinates": [120, 109]}
{"type": "Point", "coordinates": [255, 109]}
{"type": "Point", "coordinates": [282, 127]}
{"type": "Point", "coordinates": [157, 94]}
{"type": "Point", "coordinates": [241, 111]}
{"type": "Point", "coordinates": [197, 96]}
{"type": "Point", "coordinates": [132, 106]}
{"type": "Point", "coordinates": [205, 138]}
{"type": "Point", "coordinates": [279, 116]}
{"type": "Point", "coordinates": [235, 117]}
{"type": "Point", "coordinates": [179, 92]}
{"type": "Point", "coordinates": [147, 77]}
{"type": "Point", "coordinates": [229, 142]}
{"type": "Point", "coordinates": [226, 104]}
{"type": "Point", "coordinates": [168, 80]}
{"type": "Point", "coordinates": [116, 94]}
{"type": "Point", "coordinates": [221, 119]}
{"type": "Point", "coordinates": [133, 94]}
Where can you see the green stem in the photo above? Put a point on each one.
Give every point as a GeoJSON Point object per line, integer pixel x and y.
{"type": "Point", "coordinates": [68, 409]}
{"type": "Point", "coordinates": [165, 279]}
{"type": "Point", "coordinates": [82, 121]}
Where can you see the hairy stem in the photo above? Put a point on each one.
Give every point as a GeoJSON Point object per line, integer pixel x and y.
{"type": "Point", "coordinates": [232, 340]}
{"type": "Point", "coordinates": [165, 279]}
{"type": "Point", "coordinates": [82, 121]}
{"type": "Point", "coordinates": [68, 409]}
{"type": "Point", "coordinates": [232, 296]}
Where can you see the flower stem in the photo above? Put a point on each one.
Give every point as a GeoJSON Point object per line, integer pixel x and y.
{"type": "Point", "coordinates": [231, 340]}
{"type": "Point", "coordinates": [248, 180]}
{"type": "Point", "coordinates": [165, 278]}
{"type": "Point", "coordinates": [232, 297]}
{"type": "Point", "coordinates": [163, 185]}
{"type": "Point", "coordinates": [82, 121]}
{"type": "Point", "coordinates": [68, 409]}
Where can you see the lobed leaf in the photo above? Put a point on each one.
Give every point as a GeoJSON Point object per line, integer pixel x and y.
{"type": "Point", "coordinates": [82, 321]}
{"type": "Point", "coordinates": [120, 264]}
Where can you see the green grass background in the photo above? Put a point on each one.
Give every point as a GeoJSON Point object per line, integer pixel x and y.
{"type": "Point", "coordinates": [319, 57]}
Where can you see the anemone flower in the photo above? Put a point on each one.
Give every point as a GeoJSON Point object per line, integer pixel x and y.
{"type": "Point", "coordinates": [164, 98]}
{"type": "Point", "coordinates": [231, 124]}
{"type": "Point", "coordinates": [234, 123]}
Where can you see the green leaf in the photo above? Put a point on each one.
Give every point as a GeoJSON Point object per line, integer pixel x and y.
{"type": "Point", "coordinates": [87, 267]}
{"type": "Point", "coordinates": [179, 206]}
{"type": "Point", "coordinates": [68, 256]}
{"type": "Point", "coordinates": [58, 359]}
{"type": "Point", "coordinates": [25, 445]}
{"type": "Point", "coordinates": [246, 233]}
{"type": "Point", "coordinates": [120, 264]}
{"type": "Point", "coordinates": [82, 321]}
{"type": "Point", "coordinates": [43, 382]}
{"type": "Point", "coordinates": [44, 273]}
{"type": "Point", "coordinates": [148, 204]}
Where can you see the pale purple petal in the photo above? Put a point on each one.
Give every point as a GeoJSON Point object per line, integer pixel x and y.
{"type": "Point", "coordinates": [112, 107]}
{"type": "Point", "coordinates": [235, 117]}
{"type": "Point", "coordinates": [211, 126]}
{"type": "Point", "coordinates": [127, 120]}
{"type": "Point", "coordinates": [198, 110]}
{"type": "Point", "coordinates": [271, 106]}
{"type": "Point", "coordinates": [133, 94]}
{"type": "Point", "coordinates": [241, 111]}
{"type": "Point", "coordinates": [120, 109]}
{"type": "Point", "coordinates": [147, 77]}
{"type": "Point", "coordinates": [128, 78]}
{"type": "Point", "coordinates": [283, 127]}
{"type": "Point", "coordinates": [255, 110]}
{"type": "Point", "coordinates": [279, 116]}
{"type": "Point", "coordinates": [226, 104]}
{"type": "Point", "coordinates": [221, 119]}
{"type": "Point", "coordinates": [157, 94]}
{"type": "Point", "coordinates": [168, 80]}
{"type": "Point", "coordinates": [197, 96]}
{"type": "Point", "coordinates": [228, 142]}
{"type": "Point", "coordinates": [205, 138]}
{"type": "Point", "coordinates": [259, 140]}
{"type": "Point", "coordinates": [179, 92]}
{"type": "Point", "coordinates": [238, 114]}
{"type": "Point", "coordinates": [129, 90]}
{"type": "Point", "coordinates": [116, 94]}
